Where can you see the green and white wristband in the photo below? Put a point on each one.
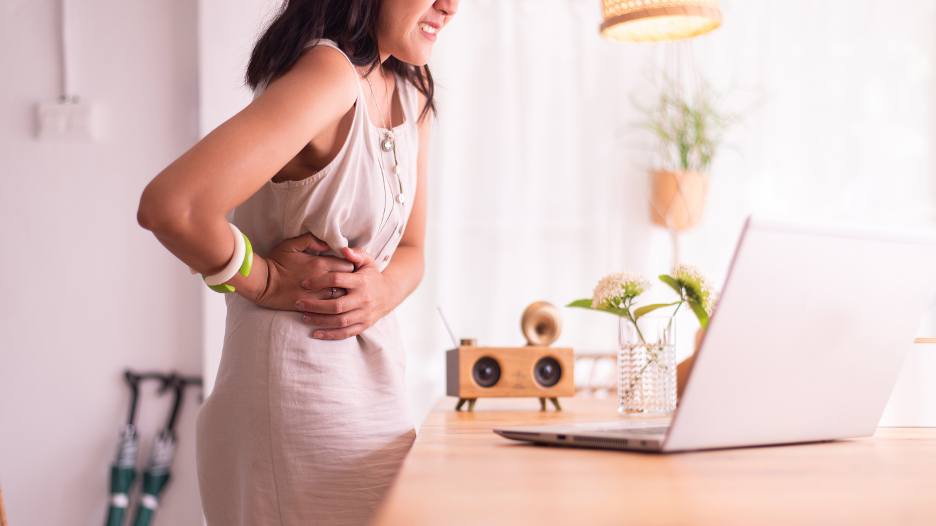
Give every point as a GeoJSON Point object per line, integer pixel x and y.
{"type": "Point", "coordinates": [240, 263]}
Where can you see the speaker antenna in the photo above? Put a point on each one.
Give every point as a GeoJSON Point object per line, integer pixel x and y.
{"type": "Point", "coordinates": [449, 329]}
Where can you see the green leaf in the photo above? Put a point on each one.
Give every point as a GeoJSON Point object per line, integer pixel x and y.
{"type": "Point", "coordinates": [586, 304]}
{"type": "Point", "coordinates": [616, 312]}
{"type": "Point", "coordinates": [671, 281]}
{"type": "Point", "coordinates": [647, 309]}
{"type": "Point", "coordinates": [700, 313]}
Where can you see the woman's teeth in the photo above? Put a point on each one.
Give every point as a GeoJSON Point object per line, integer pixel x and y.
{"type": "Point", "coordinates": [427, 28]}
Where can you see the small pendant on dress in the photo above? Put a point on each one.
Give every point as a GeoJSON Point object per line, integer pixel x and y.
{"type": "Point", "coordinates": [401, 198]}
{"type": "Point", "coordinates": [396, 169]}
{"type": "Point", "coordinates": [387, 144]}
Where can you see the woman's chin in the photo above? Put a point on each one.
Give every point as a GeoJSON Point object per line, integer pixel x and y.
{"type": "Point", "coordinates": [415, 56]}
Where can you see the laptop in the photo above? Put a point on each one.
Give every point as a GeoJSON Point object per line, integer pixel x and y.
{"type": "Point", "coordinates": [809, 336]}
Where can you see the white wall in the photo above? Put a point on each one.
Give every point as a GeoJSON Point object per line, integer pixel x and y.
{"type": "Point", "coordinates": [86, 292]}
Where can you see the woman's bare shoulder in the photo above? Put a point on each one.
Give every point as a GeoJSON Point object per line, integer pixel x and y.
{"type": "Point", "coordinates": [322, 81]}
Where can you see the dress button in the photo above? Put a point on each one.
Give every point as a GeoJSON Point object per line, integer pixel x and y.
{"type": "Point", "coordinates": [385, 258]}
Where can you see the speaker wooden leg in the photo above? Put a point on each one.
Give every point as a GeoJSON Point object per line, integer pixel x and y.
{"type": "Point", "coordinates": [461, 402]}
{"type": "Point", "coordinates": [471, 403]}
{"type": "Point", "coordinates": [555, 402]}
{"type": "Point", "coordinates": [542, 404]}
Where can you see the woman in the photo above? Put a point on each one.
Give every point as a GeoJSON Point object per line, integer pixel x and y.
{"type": "Point", "coordinates": [326, 175]}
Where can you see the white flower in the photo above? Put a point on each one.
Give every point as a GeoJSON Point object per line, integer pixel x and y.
{"type": "Point", "coordinates": [613, 289]}
{"type": "Point", "coordinates": [696, 285]}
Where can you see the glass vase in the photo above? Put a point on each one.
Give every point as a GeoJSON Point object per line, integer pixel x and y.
{"type": "Point", "coordinates": [647, 366]}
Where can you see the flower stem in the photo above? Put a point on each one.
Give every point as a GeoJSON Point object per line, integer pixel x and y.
{"type": "Point", "coordinates": [630, 317]}
{"type": "Point", "coordinates": [639, 334]}
{"type": "Point", "coordinates": [653, 356]}
{"type": "Point", "coordinates": [673, 317]}
{"type": "Point", "coordinates": [653, 359]}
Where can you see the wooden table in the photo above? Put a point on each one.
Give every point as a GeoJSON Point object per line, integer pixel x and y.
{"type": "Point", "coordinates": [460, 473]}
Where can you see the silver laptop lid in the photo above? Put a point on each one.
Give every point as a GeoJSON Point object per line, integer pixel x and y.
{"type": "Point", "coordinates": [809, 336]}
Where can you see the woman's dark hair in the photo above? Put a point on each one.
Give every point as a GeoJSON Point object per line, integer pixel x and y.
{"type": "Point", "coordinates": [352, 24]}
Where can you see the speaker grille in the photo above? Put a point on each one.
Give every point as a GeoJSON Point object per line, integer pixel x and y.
{"type": "Point", "coordinates": [486, 372]}
{"type": "Point", "coordinates": [547, 371]}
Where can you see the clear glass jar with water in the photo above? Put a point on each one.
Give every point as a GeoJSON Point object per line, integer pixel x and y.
{"type": "Point", "coordinates": [647, 366]}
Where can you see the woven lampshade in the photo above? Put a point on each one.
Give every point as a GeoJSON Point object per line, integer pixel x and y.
{"type": "Point", "coordinates": [658, 20]}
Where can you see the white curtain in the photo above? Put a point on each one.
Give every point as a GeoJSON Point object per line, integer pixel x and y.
{"type": "Point", "coordinates": [538, 173]}
{"type": "Point", "coordinates": [527, 198]}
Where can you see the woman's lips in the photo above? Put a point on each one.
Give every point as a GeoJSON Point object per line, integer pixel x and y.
{"type": "Point", "coordinates": [429, 31]}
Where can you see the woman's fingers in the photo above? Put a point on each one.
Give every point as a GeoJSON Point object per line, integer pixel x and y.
{"type": "Point", "coordinates": [340, 302]}
{"type": "Point", "coordinates": [323, 303]}
{"type": "Point", "coordinates": [324, 265]}
{"type": "Point", "coordinates": [341, 280]}
{"type": "Point", "coordinates": [314, 298]}
{"type": "Point", "coordinates": [334, 321]}
{"type": "Point", "coordinates": [333, 264]}
{"type": "Point", "coordinates": [338, 334]}
{"type": "Point", "coordinates": [304, 242]}
{"type": "Point", "coordinates": [360, 257]}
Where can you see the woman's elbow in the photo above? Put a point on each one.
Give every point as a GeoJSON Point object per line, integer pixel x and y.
{"type": "Point", "coordinates": [147, 214]}
{"type": "Point", "coordinates": [159, 214]}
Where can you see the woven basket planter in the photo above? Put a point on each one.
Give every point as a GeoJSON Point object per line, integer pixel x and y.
{"type": "Point", "coordinates": [677, 199]}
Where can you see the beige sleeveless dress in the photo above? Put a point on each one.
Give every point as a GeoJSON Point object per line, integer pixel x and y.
{"type": "Point", "coordinates": [299, 431]}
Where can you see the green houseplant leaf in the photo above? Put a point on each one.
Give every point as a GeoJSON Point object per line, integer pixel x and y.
{"type": "Point", "coordinates": [586, 304]}
{"type": "Point", "coordinates": [700, 313]}
{"type": "Point", "coordinates": [647, 309]}
{"type": "Point", "coordinates": [583, 304]}
{"type": "Point", "coordinates": [690, 123]}
{"type": "Point", "coordinates": [669, 280]}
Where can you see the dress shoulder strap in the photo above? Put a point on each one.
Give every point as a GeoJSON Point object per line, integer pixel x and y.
{"type": "Point", "coordinates": [331, 43]}
{"type": "Point", "coordinates": [316, 42]}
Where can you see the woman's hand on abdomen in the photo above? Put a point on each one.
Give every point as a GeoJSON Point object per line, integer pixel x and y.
{"type": "Point", "coordinates": [370, 297]}
{"type": "Point", "coordinates": [275, 282]}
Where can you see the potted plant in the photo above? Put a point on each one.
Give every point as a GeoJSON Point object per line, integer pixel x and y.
{"type": "Point", "coordinates": [690, 126]}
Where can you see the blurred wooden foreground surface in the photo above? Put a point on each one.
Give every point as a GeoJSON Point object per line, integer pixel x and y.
{"type": "Point", "coordinates": [460, 473]}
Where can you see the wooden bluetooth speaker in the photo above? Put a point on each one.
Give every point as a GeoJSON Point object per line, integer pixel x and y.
{"type": "Point", "coordinates": [536, 370]}
{"type": "Point", "coordinates": [531, 371]}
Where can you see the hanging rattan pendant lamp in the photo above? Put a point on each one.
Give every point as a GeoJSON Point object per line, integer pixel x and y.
{"type": "Point", "coordinates": [658, 20]}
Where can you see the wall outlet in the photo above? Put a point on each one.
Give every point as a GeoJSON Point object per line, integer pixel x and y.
{"type": "Point", "coordinates": [64, 121]}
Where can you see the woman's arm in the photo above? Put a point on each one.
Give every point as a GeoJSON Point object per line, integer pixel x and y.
{"type": "Point", "coordinates": [185, 205]}
{"type": "Point", "coordinates": [372, 294]}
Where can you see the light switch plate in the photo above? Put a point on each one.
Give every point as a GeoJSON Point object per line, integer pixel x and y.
{"type": "Point", "coordinates": [65, 121]}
